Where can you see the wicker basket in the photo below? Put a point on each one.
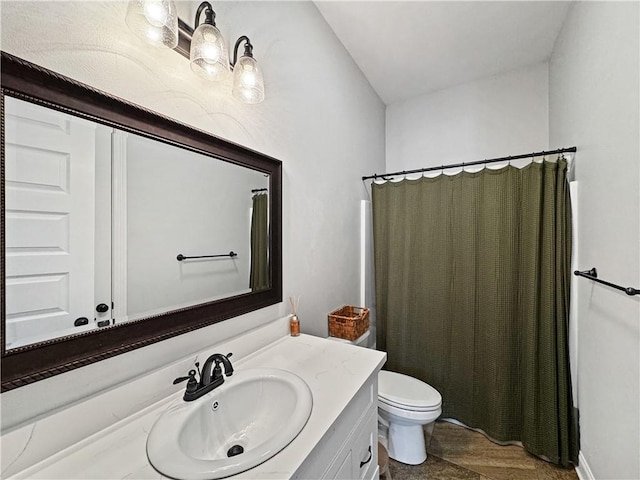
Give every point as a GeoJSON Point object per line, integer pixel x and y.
{"type": "Point", "coordinates": [349, 322]}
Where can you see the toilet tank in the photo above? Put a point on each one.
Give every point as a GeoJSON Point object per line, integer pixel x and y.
{"type": "Point", "coordinates": [362, 341]}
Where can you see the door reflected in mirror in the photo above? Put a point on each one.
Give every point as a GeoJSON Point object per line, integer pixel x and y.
{"type": "Point", "coordinates": [95, 219]}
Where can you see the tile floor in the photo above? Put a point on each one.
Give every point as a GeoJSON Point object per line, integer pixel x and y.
{"type": "Point", "coordinates": [456, 453]}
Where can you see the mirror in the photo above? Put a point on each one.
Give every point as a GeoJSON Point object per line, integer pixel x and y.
{"type": "Point", "coordinates": [137, 229]}
{"type": "Point", "coordinates": [64, 219]}
{"type": "Point", "coordinates": [188, 205]}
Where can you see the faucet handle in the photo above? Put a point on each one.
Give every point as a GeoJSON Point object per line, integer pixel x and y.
{"type": "Point", "coordinates": [230, 369]}
{"type": "Point", "coordinates": [192, 385]}
{"type": "Point", "coordinates": [191, 378]}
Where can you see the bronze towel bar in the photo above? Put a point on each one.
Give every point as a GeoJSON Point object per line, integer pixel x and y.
{"type": "Point", "coordinates": [231, 254]}
{"type": "Point", "coordinates": [593, 275]}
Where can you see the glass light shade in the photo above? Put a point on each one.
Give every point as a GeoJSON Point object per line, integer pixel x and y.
{"type": "Point", "coordinates": [154, 21]}
{"type": "Point", "coordinates": [209, 55]}
{"type": "Point", "coordinates": [248, 84]}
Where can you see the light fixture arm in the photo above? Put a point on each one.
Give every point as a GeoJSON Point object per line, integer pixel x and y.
{"type": "Point", "coordinates": [248, 49]}
{"type": "Point", "coordinates": [209, 15]}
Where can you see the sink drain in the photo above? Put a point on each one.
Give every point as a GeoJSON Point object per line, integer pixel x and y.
{"type": "Point", "coordinates": [235, 450]}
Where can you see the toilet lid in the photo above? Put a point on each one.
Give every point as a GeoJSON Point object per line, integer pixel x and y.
{"type": "Point", "coordinates": [402, 389]}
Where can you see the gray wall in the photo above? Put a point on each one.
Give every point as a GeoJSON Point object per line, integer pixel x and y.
{"type": "Point", "coordinates": [594, 104]}
{"type": "Point", "coordinates": [184, 202]}
{"type": "Point", "coordinates": [491, 117]}
{"type": "Point", "coordinates": [320, 117]}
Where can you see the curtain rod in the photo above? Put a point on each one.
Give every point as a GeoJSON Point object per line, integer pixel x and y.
{"type": "Point", "coordinates": [256, 190]}
{"type": "Point", "coordinates": [466, 164]}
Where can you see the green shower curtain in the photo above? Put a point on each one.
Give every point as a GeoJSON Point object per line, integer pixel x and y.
{"type": "Point", "coordinates": [259, 275]}
{"type": "Point", "coordinates": [472, 277]}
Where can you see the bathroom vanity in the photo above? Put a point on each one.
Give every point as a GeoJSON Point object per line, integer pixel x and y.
{"type": "Point", "coordinates": [339, 439]}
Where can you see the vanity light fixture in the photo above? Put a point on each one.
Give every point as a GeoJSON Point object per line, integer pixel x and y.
{"type": "Point", "coordinates": [156, 22]}
{"type": "Point", "coordinates": [248, 84]}
{"type": "Point", "coordinates": [208, 54]}
{"type": "Point", "coordinates": [209, 59]}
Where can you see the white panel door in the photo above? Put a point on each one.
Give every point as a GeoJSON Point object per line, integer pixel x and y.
{"type": "Point", "coordinates": [50, 202]}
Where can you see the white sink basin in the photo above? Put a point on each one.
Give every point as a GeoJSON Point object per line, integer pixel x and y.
{"type": "Point", "coordinates": [257, 411]}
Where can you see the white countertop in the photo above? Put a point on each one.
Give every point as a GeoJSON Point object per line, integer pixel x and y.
{"type": "Point", "coordinates": [334, 372]}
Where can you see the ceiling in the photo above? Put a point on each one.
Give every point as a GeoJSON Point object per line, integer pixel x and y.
{"type": "Point", "coordinates": [408, 48]}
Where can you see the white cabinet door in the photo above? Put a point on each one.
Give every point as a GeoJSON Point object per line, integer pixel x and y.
{"type": "Point", "coordinates": [344, 472]}
{"type": "Point", "coordinates": [50, 201]}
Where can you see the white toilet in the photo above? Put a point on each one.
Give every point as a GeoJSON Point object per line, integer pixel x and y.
{"type": "Point", "coordinates": [405, 404]}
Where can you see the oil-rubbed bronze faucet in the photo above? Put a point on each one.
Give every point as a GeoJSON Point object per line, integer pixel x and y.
{"type": "Point", "coordinates": [211, 376]}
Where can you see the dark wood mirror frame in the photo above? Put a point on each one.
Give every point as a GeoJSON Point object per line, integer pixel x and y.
{"type": "Point", "coordinates": [28, 364]}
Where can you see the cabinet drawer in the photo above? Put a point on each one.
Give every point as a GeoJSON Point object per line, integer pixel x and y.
{"type": "Point", "coordinates": [364, 452]}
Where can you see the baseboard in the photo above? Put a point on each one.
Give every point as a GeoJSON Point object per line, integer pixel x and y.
{"type": "Point", "coordinates": [583, 470]}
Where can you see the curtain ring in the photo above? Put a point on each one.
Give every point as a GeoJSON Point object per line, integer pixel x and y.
{"type": "Point", "coordinates": [509, 163]}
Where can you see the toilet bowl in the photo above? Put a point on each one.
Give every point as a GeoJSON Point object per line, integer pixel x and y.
{"type": "Point", "coordinates": [405, 405]}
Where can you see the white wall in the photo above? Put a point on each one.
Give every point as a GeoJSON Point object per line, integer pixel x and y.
{"type": "Point", "coordinates": [320, 117]}
{"type": "Point", "coordinates": [594, 103]}
{"type": "Point", "coordinates": [492, 117]}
